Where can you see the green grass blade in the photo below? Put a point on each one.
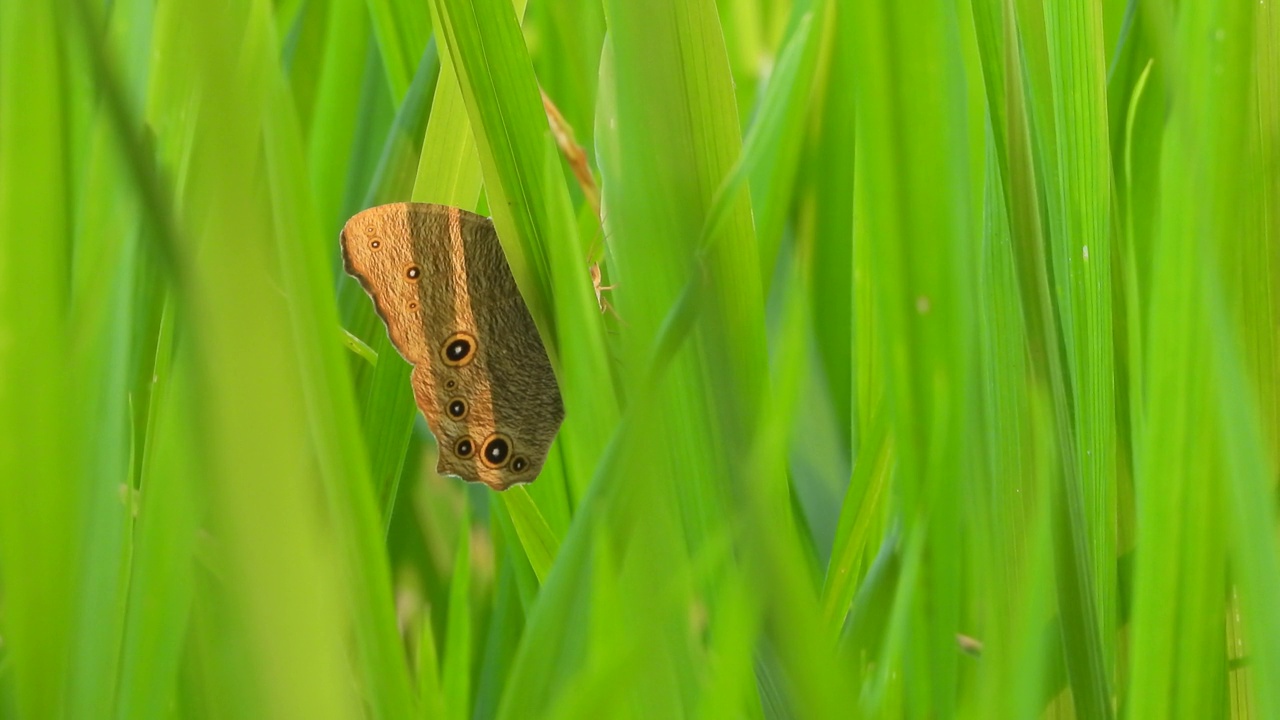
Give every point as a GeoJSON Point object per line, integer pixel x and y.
{"type": "Point", "coordinates": [506, 623]}
{"type": "Point", "coordinates": [1081, 257]}
{"type": "Point", "coordinates": [38, 506]}
{"type": "Point", "coordinates": [397, 166]}
{"type": "Point", "coordinates": [456, 671]}
{"type": "Point", "coordinates": [539, 542]}
{"type": "Point", "coordinates": [494, 72]}
{"type": "Point", "coordinates": [1011, 501]}
{"type": "Point", "coordinates": [330, 138]}
{"type": "Point", "coordinates": [1032, 175]}
{"type": "Point", "coordinates": [1263, 266]}
{"type": "Point", "coordinates": [331, 411]}
{"type": "Point", "coordinates": [301, 52]}
{"type": "Point", "coordinates": [108, 354]}
{"type": "Point", "coordinates": [1209, 209]}
{"type": "Point", "coordinates": [676, 196]}
{"type": "Point", "coordinates": [915, 194]}
{"type": "Point", "coordinates": [250, 406]}
{"type": "Point", "coordinates": [772, 147]}
{"type": "Point", "coordinates": [564, 40]}
{"type": "Point", "coordinates": [826, 221]}
{"type": "Point", "coordinates": [431, 700]}
{"type": "Point", "coordinates": [162, 585]}
{"type": "Point", "coordinates": [861, 504]}
{"type": "Point", "coordinates": [588, 375]}
{"type": "Point", "coordinates": [1253, 552]}
{"type": "Point", "coordinates": [798, 658]}
{"type": "Point", "coordinates": [401, 30]}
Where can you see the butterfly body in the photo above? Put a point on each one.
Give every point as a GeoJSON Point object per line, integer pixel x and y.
{"type": "Point", "coordinates": [481, 375]}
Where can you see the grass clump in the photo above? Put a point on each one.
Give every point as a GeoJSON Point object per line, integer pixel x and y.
{"type": "Point", "coordinates": [940, 379]}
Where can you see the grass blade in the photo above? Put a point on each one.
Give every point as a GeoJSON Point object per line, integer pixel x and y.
{"type": "Point", "coordinates": [914, 191]}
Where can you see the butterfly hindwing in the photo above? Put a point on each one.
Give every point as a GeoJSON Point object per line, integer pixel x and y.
{"type": "Point", "coordinates": [482, 378]}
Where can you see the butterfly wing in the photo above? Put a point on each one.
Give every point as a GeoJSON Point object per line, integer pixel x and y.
{"type": "Point", "coordinates": [482, 378]}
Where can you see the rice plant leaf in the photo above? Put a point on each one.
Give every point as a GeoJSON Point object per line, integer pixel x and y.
{"type": "Point", "coordinates": [915, 192]}
{"type": "Point", "coordinates": [1199, 411]}
{"type": "Point", "coordinates": [1010, 501]}
{"type": "Point", "coordinates": [812, 678]}
{"type": "Point", "coordinates": [456, 670]}
{"type": "Point", "coordinates": [825, 221]}
{"type": "Point", "coordinates": [162, 586]}
{"type": "Point", "coordinates": [862, 502]}
{"type": "Point", "coordinates": [1080, 215]}
{"type": "Point", "coordinates": [564, 40]}
{"type": "Point", "coordinates": [332, 412]}
{"type": "Point", "coordinates": [330, 138]}
{"type": "Point", "coordinates": [539, 542]}
{"type": "Point", "coordinates": [401, 30]}
{"type": "Point", "coordinates": [37, 491]}
{"type": "Point", "coordinates": [771, 149]}
{"type": "Point", "coordinates": [107, 352]}
{"type": "Point", "coordinates": [671, 201]}
{"type": "Point", "coordinates": [245, 436]}
{"type": "Point", "coordinates": [506, 622]}
{"type": "Point", "coordinates": [1267, 53]}
{"type": "Point", "coordinates": [494, 73]}
{"type": "Point", "coordinates": [431, 700]}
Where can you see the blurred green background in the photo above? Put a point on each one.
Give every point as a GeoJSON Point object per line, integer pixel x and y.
{"type": "Point", "coordinates": [941, 379]}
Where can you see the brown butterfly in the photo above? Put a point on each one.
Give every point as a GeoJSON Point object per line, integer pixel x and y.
{"type": "Point", "coordinates": [481, 376]}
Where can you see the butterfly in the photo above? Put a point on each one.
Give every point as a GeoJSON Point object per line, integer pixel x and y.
{"type": "Point", "coordinates": [481, 376]}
